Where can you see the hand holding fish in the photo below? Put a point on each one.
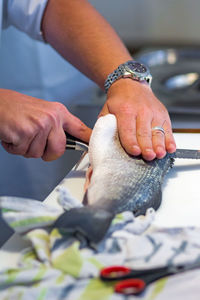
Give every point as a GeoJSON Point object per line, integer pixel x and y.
{"type": "Point", "coordinates": [137, 111]}
{"type": "Point", "coordinates": [136, 108]}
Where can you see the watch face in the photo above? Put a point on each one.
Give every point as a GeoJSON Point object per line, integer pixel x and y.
{"type": "Point", "coordinates": [136, 67]}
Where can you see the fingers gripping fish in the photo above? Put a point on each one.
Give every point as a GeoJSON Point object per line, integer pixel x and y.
{"type": "Point", "coordinates": [118, 182]}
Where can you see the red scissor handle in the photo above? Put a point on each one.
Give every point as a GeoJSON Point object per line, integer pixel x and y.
{"type": "Point", "coordinates": [130, 286]}
{"type": "Point", "coordinates": [114, 272]}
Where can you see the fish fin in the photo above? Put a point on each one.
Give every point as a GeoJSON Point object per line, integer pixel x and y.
{"type": "Point", "coordinates": [155, 204]}
{"type": "Point", "coordinates": [91, 222]}
{"type": "Point", "coordinates": [157, 199]}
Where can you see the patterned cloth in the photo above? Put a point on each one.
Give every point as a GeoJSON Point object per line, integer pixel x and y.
{"type": "Point", "coordinates": [57, 266]}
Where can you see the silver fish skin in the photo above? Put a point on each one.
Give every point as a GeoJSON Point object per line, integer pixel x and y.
{"type": "Point", "coordinates": [119, 182]}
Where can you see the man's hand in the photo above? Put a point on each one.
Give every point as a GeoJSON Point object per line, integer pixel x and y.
{"type": "Point", "coordinates": [137, 111]}
{"type": "Point", "coordinates": [35, 128]}
{"type": "Point", "coordinates": [136, 108]}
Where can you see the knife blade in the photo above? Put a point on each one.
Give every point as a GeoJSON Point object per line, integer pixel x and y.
{"type": "Point", "coordinates": [187, 153]}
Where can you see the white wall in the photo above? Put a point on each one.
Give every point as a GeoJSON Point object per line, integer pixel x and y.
{"type": "Point", "coordinates": [142, 22]}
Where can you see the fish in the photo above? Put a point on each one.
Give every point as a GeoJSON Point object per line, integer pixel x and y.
{"type": "Point", "coordinates": [118, 182]}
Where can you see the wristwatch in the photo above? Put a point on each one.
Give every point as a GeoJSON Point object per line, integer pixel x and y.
{"type": "Point", "coordinates": [131, 69]}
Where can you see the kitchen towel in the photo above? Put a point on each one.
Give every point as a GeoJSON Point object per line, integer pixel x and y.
{"type": "Point", "coordinates": [57, 266]}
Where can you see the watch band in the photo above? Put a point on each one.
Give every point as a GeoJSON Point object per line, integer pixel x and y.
{"type": "Point", "coordinates": [112, 77]}
{"type": "Point", "coordinates": [122, 71]}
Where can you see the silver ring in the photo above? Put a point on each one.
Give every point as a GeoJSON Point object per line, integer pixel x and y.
{"type": "Point", "coordinates": [159, 129]}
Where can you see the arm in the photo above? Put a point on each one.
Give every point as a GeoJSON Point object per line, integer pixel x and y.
{"type": "Point", "coordinates": [82, 36]}
{"type": "Point", "coordinates": [29, 126]}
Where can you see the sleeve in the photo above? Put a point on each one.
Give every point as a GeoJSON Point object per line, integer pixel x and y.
{"type": "Point", "coordinates": [26, 15]}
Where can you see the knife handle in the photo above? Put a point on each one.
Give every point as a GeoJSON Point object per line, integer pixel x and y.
{"type": "Point", "coordinates": [74, 143]}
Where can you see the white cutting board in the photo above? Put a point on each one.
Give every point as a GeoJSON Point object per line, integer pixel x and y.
{"type": "Point", "coordinates": [181, 190]}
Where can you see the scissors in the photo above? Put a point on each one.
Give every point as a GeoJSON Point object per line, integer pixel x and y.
{"type": "Point", "coordinates": [74, 143]}
{"type": "Point", "coordinates": [134, 282]}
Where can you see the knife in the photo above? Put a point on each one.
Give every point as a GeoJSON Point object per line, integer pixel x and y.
{"type": "Point", "coordinates": [187, 153]}
{"type": "Point", "coordinates": [74, 143]}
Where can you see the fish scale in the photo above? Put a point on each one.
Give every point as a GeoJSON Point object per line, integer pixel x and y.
{"type": "Point", "coordinates": [119, 182]}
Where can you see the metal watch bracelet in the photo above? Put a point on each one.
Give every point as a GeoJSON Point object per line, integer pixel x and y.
{"type": "Point", "coordinates": [140, 73]}
{"type": "Point", "coordinates": [112, 77]}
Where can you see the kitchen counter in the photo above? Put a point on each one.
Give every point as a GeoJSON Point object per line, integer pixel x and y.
{"type": "Point", "coordinates": [180, 204]}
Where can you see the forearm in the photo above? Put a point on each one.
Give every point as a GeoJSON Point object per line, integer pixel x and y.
{"type": "Point", "coordinates": [84, 38]}
{"type": "Point", "coordinates": [81, 35]}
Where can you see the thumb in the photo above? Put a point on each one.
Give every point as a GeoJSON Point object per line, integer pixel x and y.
{"type": "Point", "coordinates": [77, 128]}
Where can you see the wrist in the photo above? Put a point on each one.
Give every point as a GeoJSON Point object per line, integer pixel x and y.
{"type": "Point", "coordinates": [127, 85]}
{"type": "Point", "coordinates": [130, 70]}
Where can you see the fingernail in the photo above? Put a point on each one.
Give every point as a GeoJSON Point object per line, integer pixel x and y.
{"type": "Point", "coordinates": [148, 150]}
{"type": "Point", "coordinates": [149, 154]}
{"type": "Point", "coordinates": [171, 148]}
{"type": "Point", "coordinates": [160, 149]}
{"type": "Point", "coordinates": [160, 152]}
{"type": "Point", "coordinates": [136, 150]}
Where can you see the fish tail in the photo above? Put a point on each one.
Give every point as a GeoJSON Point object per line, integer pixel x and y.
{"type": "Point", "coordinates": [91, 222]}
